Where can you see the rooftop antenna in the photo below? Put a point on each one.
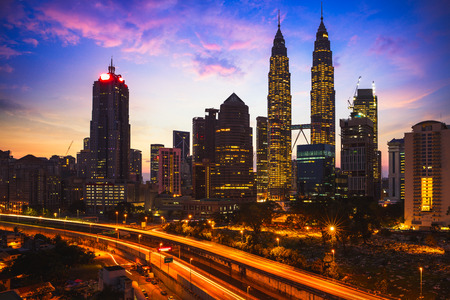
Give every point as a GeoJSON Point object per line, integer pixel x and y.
{"type": "Point", "coordinates": [111, 68]}
{"type": "Point", "coordinates": [373, 87]}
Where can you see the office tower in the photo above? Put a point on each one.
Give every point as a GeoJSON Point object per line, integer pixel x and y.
{"type": "Point", "coordinates": [202, 174]}
{"type": "Point", "coordinates": [279, 121]}
{"type": "Point", "coordinates": [169, 177]}
{"type": "Point", "coordinates": [154, 162]}
{"type": "Point", "coordinates": [135, 160]}
{"type": "Point", "coordinates": [365, 105]}
{"type": "Point", "coordinates": [5, 168]}
{"type": "Point", "coordinates": [427, 175]}
{"type": "Point", "coordinates": [315, 171]}
{"type": "Point", "coordinates": [358, 155]}
{"type": "Point", "coordinates": [181, 141]}
{"type": "Point", "coordinates": [86, 143]}
{"type": "Point", "coordinates": [396, 179]}
{"type": "Point", "coordinates": [198, 139]}
{"type": "Point", "coordinates": [322, 90]}
{"type": "Point", "coordinates": [83, 165]}
{"type": "Point", "coordinates": [110, 128]}
{"type": "Point", "coordinates": [262, 178]}
{"type": "Point", "coordinates": [234, 178]}
{"type": "Point", "coordinates": [210, 133]}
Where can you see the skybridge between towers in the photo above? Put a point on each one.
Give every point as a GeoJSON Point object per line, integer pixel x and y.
{"type": "Point", "coordinates": [300, 127]}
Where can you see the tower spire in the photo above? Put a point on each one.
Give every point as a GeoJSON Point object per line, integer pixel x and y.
{"type": "Point", "coordinates": [321, 11]}
{"type": "Point", "coordinates": [278, 18]}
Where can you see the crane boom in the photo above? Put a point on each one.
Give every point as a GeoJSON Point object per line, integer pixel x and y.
{"type": "Point", "coordinates": [69, 148]}
{"type": "Point", "coordinates": [350, 103]}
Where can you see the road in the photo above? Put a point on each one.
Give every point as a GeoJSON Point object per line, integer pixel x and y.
{"type": "Point", "coordinates": [284, 271]}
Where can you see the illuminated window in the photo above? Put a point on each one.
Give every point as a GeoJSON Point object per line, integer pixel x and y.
{"type": "Point", "coordinates": [427, 193]}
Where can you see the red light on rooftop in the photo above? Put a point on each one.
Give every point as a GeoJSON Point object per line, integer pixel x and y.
{"type": "Point", "coordinates": [121, 79]}
{"type": "Point", "coordinates": [105, 76]}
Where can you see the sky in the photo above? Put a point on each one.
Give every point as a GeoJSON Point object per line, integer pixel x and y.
{"type": "Point", "coordinates": [180, 57]}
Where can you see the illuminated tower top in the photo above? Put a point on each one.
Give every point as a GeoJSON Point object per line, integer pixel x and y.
{"type": "Point", "coordinates": [322, 90]}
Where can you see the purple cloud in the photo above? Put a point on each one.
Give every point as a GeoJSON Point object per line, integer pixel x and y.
{"type": "Point", "coordinates": [6, 68]}
{"type": "Point", "coordinates": [31, 41]}
{"type": "Point", "coordinates": [8, 52]}
{"type": "Point", "coordinates": [212, 64]}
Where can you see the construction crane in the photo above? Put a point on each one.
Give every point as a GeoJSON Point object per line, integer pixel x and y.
{"type": "Point", "coordinates": [69, 148]}
{"type": "Point", "coordinates": [350, 103]}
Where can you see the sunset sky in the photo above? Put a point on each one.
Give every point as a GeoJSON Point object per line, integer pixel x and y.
{"type": "Point", "coordinates": [180, 57]}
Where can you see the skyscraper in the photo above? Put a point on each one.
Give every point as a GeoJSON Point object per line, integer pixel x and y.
{"type": "Point", "coordinates": [365, 105]}
{"type": "Point", "coordinates": [181, 141]}
{"type": "Point", "coordinates": [358, 154]}
{"type": "Point", "coordinates": [234, 177]}
{"type": "Point", "coordinates": [198, 139]}
{"type": "Point", "coordinates": [396, 150]}
{"type": "Point", "coordinates": [262, 178]}
{"type": "Point", "coordinates": [110, 128]}
{"type": "Point", "coordinates": [154, 162]}
{"type": "Point", "coordinates": [135, 160]}
{"type": "Point", "coordinates": [427, 175]}
{"type": "Point", "coordinates": [322, 90]}
{"type": "Point", "coordinates": [279, 121]}
{"type": "Point", "coordinates": [169, 177]}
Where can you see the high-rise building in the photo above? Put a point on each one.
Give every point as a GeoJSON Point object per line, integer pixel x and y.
{"type": "Point", "coordinates": [262, 178]}
{"type": "Point", "coordinates": [210, 133]}
{"type": "Point", "coordinates": [279, 121]}
{"type": "Point", "coordinates": [427, 175]}
{"type": "Point", "coordinates": [169, 177]}
{"type": "Point", "coordinates": [135, 160]}
{"type": "Point", "coordinates": [84, 160]}
{"type": "Point", "coordinates": [315, 171]}
{"type": "Point", "coordinates": [181, 141]}
{"type": "Point", "coordinates": [396, 179]}
{"type": "Point", "coordinates": [198, 139]}
{"type": "Point", "coordinates": [358, 155]}
{"type": "Point", "coordinates": [154, 162]}
{"type": "Point", "coordinates": [365, 104]}
{"type": "Point", "coordinates": [234, 177]}
{"type": "Point", "coordinates": [110, 128]}
{"type": "Point", "coordinates": [322, 90]}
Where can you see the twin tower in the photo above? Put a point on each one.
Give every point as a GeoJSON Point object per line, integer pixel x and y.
{"type": "Point", "coordinates": [274, 174]}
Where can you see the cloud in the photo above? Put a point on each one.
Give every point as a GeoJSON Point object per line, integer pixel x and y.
{"type": "Point", "coordinates": [8, 52]}
{"type": "Point", "coordinates": [31, 41]}
{"type": "Point", "coordinates": [212, 64]}
{"type": "Point", "coordinates": [10, 106]}
{"type": "Point", "coordinates": [22, 87]}
{"type": "Point", "coordinates": [6, 68]}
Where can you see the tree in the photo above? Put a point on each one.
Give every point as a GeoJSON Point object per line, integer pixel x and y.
{"type": "Point", "coordinates": [255, 214]}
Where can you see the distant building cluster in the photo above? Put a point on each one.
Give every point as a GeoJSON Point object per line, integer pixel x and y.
{"type": "Point", "coordinates": [220, 175]}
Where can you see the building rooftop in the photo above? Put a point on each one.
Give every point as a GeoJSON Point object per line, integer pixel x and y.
{"type": "Point", "coordinates": [114, 268]}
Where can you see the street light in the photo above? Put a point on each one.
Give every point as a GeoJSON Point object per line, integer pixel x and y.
{"type": "Point", "coordinates": [278, 241]}
{"type": "Point", "coordinates": [54, 215]}
{"type": "Point", "coordinates": [117, 230]}
{"type": "Point", "coordinates": [117, 218]}
{"type": "Point", "coordinates": [162, 220]}
{"type": "Point", "coordinates": [248, 288]}
{"type": "Point", "coordinates": [160, 245]}
{"type": "Point", "coordinates": [332, 251]}
{"type": "Point", "coordinates": [242, 236]}
{"type": "Point", "coordinates": [420, 282]}
{"type": "Point", "coordinates": [125, 215]}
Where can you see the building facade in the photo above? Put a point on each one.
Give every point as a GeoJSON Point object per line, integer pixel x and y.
{"type": "Point", "coordinates": [198, 139]}
{"type": "Point", "coordinates": [315, 171]}
{"type": "Point", "coordinates": [262, 178]}
{"type": "Point", "coordinates": [357, 155]}
{"type": "Point", "coordinates": [169, 176]}
{"type": "Point", "coordinates": [154, 162]}
{"type": "Point", "coordinates": [323, 129]}
{"type": "Point", "coordinates": [234, 177]}
{"type": "Point", "coordinates": [181, 140]}
{"type": "Point", "coordinates": [135, 160]}
{"type": "Point", "coordinates": [427, 175]}
{"type": "Point", "coordinates": [396, 179]}
{"type": "Point", "coordinates": [279, 122]}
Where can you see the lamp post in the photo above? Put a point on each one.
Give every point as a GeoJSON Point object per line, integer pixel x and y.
{"type": "Point", "coordinates": [117, 218]}
{"type": "Point", "coordinates": [146, 221]}
{"type": "Point", "coordinates": [248, 289]}
{"type": "Point", "coordinates": [420, 269]}
{"type": "Point", "coordinates": [117, 230]}
{"type": "Point", "coordinates": [162, 220]}
{"type": "Point", "coordinates": [242, 236]}
{"type": "Point", "coordinates": [332, 233]}
{"type": "Point", "coordinates": [278, 241]}
{"type": "Point", "coordinates": [190, 272]}
{"type": "Point", "coordinates": [59, 213]}
{"type": "Point", "coordinates": [125, 215]}
{"type": "Point", "coordinates": [139, 237]}
{"type": "Point", "coordinates": [332, 251]}
{"type": "Point", "coordinates": [160, 245]}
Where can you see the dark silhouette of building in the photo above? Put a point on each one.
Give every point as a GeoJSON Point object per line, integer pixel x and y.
{"type": "Point", "coordinates": [181, 141]}
{"type": "Point", "coordinates": [396, 179]}
{"type": "Point", "coordinates": [279, 121]}
{"type": "Point", "coordinates": [135, 160]}
{"type": "Point", "coordinates": [322, 90]}
{"type": "Point", "coordinates": [262, 178]}
{"type": "Point", "coordinates": [110, 128]}
{"type": "Point", "coordinates": [234, 178]}
{"type": "Point", "coordinates": [198, 139]}
{"type": "Point", "coordinates": [84, 160]}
